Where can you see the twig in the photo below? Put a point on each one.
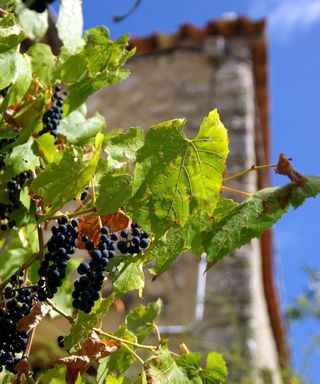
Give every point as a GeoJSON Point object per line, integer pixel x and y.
{"type": "Point", "coordinates": [60, 311]}
{"type": "Point", "coordinates": [133, 353]}
{"type": "Point", "coordinates": [157, 333]}
{"type": "Point", "coordinates": [29, 343]}
{"type": "Point", "coordinates": [123, 341]}
{"type": "Point", "coordinates": [94, 200]}
{"type": "Point", "coordinates": [253, 168]}
{"type": "Point", "coordinates": [237, 191]}
{"type": "Point", "coordinates": [74, 214]}
{"type": "Point", "coordinates": [117, 19]}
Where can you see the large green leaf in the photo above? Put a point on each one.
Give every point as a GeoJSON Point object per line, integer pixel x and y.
{"type": "Point", "coordinates": [114, 193]}
{"type": "Point", "coordinates": [256, 214]}
{"type": "Point", "coordinates": [215, 371]}
{"type": "Point", "coordinates": [122, 148]}
{"type": "Point", "coordinates": [140, 320]}
{"type": "Point", "coordinates": [70, 25]}
{"type": "Point", "coordinates": [11, 34]}
{"type": "Point", "coordinates": [78, 129]}
{"type": "Point", "coordinates": [59, 183]}
{"type": "Point", "coordinates": [162, 369]}
{"type": "Point", "coordinates": [8, 67]}
{"type": "Point", "coordinates": [82, 328]}
{"type": "Point", "coordinates": [12, 256]}
{"type": "Point", "coordinates": [55, 375]}
{"type": "Point", "coordinates": [21, 159]}
{"type": "Point", "coordinates": [22, 81]}
{"type": "Point", "coordinates": [44, 147]}
{"type": "Point", "coordinates": [176, 240]}
{"type": "Point", "coordinates": [34, 24]}
{"type": "Point", "coordinates": [43, 62]}
{"type": "Point", "coordinates": [131, 277]}
{"type": "Point", "coordinates": [175, 176]}
{"type": "Point", "coordinates": [122, 359]}
{"type": "Point", "coordinates": [167, 249]}
{"type": "Point", "coordinates": [103, 58]}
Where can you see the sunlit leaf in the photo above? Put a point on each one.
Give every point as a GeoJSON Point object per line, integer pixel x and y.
{"type": "Point", "coordinates": [175, 175]}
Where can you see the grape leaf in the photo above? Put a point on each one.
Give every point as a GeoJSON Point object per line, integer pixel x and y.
{"type": "Point", "coordinates": [11, 34]}
{"type": "Point", "coordinates": [121, 360]}
{"type": "Point", "coordinates": [167, 249]}
{"type": "Point", "coordinates": [21, 159]}
{"type": "Point", "coordinates": [223, 208]}
{"type": "Point", "coordinates": [114, 193]}
{"type": "Point", "coordinates": [131, 277]}
{"type": "Point", "coordinates": [138, 325]}
{"type": "Point", "coordinates": [43, 62]}
{"type": "Point", "coordinates": [78, 129]}
{"type": "Point", "coordinates": [214, 373]}
{"type": "Point", "coordinates": [70, 25]}
{"type": "Point", "coordinates": [45, 148]}
{"type": "Point", "coordinates": [59, 183]}
{"type": "Point", "coordinates": [82, 328]}
{"type": "Point", "coordinates": [162, 369]}
{"type": "Point", "coordinates": [22, 81]}
{"type": "Point", "coordinates": [175, 175]}
{"type": "Point", "coordinates": [12, 256]}
{"type": "Point", "coordinates": [103, 59]}
{"type": "Point", "coordinates": [53, 376]}
{"type": "Point", "coordinates": [216, 369]}
{"type": "Point", "coordinates": [140, 320]}
{"type": "Point", "coordinates": [34, 24]}
{"type": "Point", "coordinates": [122, 148]}
{"type": "Point", "coordinates": [256, 214]}
{"type": "Point", "coordinates": [8, 67]}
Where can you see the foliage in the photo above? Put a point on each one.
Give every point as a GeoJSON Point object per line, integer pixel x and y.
{"type": "Point", "coordinates": [169, 184]}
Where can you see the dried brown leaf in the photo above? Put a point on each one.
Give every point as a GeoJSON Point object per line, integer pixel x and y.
{"type": "Point", "coordinates": [96, 348]}
{"type": "Point", "coordinates": [285, 168]}
{"type": "Point", "coordinates": [37, 313]}
{"type": "Point", "coordinates": [92, 350]}
{"type": "Point", "coordinates": [22, 366]}
{"type": "Point", "coordinates": [90, 226]}
{"type": "Point", "coordinates": [149, 376]}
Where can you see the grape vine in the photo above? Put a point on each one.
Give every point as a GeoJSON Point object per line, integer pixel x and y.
{"type": "Point", "coordinates": [84, 214]}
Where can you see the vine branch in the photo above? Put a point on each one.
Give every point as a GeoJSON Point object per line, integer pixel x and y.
{"type": "Point", "coordinates": [252, 168]}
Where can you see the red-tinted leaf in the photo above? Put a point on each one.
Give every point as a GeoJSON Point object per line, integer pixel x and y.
{"type": "Point", "coordinates": [90, 226]}
{"type": "Point", "coordinates": [37, 313]}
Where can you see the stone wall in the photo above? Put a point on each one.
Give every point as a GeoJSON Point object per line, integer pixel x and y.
{"type": "Point", "coordinates": [188, 82]}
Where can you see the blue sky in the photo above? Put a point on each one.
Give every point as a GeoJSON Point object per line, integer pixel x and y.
{"type": "Point", "coordinates": [294, 54]}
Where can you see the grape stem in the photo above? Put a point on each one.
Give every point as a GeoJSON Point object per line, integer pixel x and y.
{"type": "Point", "coordinates": [133, 353]}
{"type": "Point", "coordinates": [157, 333]}
{"type": "Point", "coordinates": [74, 214]}
{"type": "Point", "coordinates": [237, 191]}
{"type": "Point", "coordinates": [252, 168]}
{"type": "Point", "coordinates": [94, 200]}
{"type": "Point", "coordinates": [123, 341]}
{"type": "Point", "coordinates": [60, 311]}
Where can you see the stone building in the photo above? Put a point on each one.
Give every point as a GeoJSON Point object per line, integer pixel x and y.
{"type": "Point", "coordinates": [233, 307]}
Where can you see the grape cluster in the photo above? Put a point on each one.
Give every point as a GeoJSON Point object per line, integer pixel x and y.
{"type": "Point", "coordinates": [19, 300]}
{"type": "Point", "coordinates": [13, 188]}
{"type": "Point", "coordinates": [52, 117]}
{"type": "Point", "coordinates": [37, 5]}
{"type": "Point", "coordinates": [133, 242]}
{"type": "Point", "coordinates": [86, 289]}
{"type": "Point", "coordinates": [60, 246]}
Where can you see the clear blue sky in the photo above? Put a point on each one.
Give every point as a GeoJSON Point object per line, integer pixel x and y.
{"type": "Point", "coordinates": [294, 47]}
